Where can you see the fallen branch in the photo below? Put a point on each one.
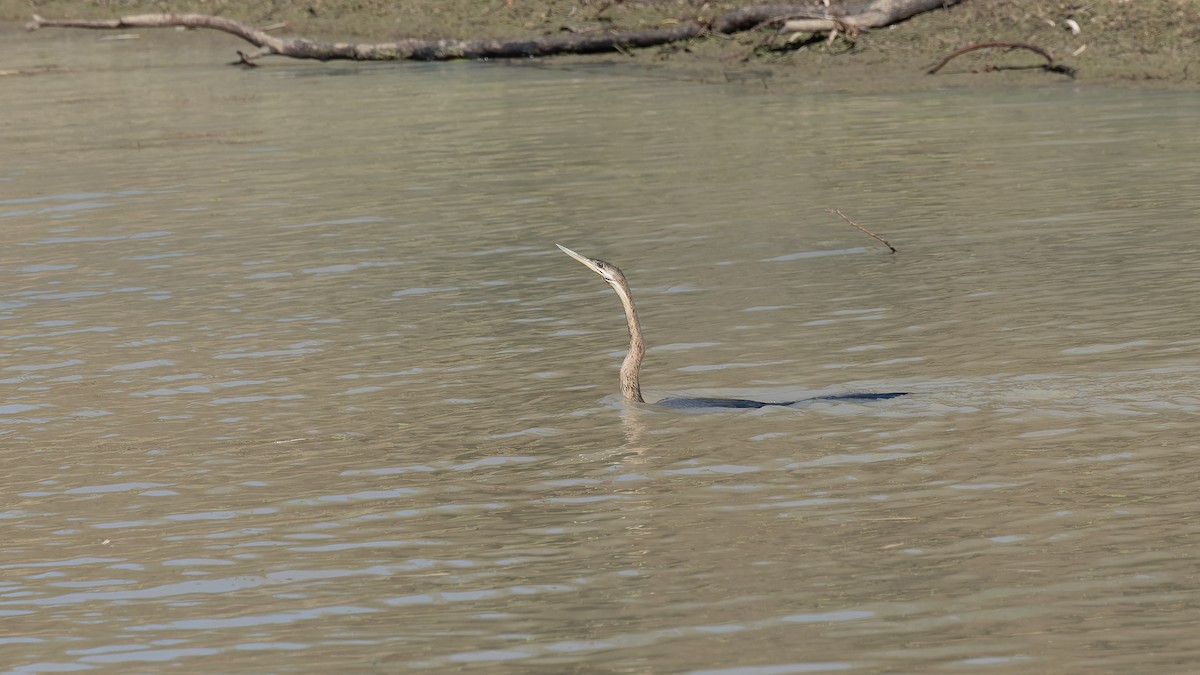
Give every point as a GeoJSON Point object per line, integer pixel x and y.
{"type": "Point", "coordinates": [810, 18]}
{"type": "Point", "coordinates": [1049, 66]}
{"type": "Point", "coordinates": [872, 14]}
{"type": "Point", "coordinates": [795, 37]}
{"type": "Point", "coordinates": [870, 233]}
{"type": "Point", "coordinates": [411, 49]}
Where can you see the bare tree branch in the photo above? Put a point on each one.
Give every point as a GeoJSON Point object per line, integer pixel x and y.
{"type": "Point", "coordinates": [863, 15]}
{"type": "Point", "coordinates": [1050, 65]}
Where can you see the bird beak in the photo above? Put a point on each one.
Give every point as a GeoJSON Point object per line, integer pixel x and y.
{"type": "Point", "coordinates": [588, 262]}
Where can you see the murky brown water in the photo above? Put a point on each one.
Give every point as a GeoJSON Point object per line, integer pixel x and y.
{"type": "Point", "coordinates": [294, 379]}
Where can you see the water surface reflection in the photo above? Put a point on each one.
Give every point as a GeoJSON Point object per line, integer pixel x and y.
{"type": "Point", "coordinates": [293, 373]}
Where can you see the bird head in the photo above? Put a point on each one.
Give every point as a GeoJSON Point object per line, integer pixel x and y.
{"type": "Point", "coordinates": [607, 271]}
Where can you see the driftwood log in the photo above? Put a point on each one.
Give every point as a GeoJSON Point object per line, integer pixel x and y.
{"type": "Point", "coordinates": [786, 18]}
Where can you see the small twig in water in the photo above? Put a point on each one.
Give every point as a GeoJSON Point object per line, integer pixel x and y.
{"type": "Point", "coordinates": [244, 59]}
{"type": "Point", "coordinates": [869, 233]}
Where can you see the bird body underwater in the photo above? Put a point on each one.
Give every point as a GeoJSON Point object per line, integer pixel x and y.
{"type": "Point", "coordinates": [631, 389]}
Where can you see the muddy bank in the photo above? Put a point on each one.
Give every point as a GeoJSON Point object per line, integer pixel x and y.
{"type": "Point", "coordinates": [1156, 41]}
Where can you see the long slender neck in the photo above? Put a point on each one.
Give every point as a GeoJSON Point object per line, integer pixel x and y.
{"type": "Point", "coordinates": [631, 388]}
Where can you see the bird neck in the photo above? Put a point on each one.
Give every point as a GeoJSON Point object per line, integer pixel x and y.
{"type": "Point", "coordinates": [631, 388]}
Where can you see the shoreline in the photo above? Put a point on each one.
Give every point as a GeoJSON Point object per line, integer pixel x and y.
{"type": "Point", "coordinates": [1152, 42]}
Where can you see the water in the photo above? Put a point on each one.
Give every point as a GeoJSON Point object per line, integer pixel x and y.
{"type": "Point", "coordinates": [295, 378]}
